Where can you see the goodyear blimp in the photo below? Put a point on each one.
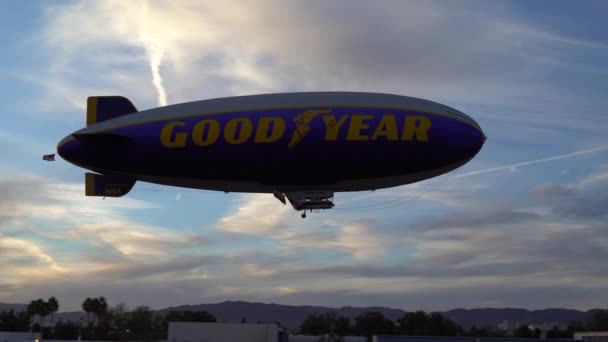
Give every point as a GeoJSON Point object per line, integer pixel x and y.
{"type": "Point", "coordinates": [301, 147]}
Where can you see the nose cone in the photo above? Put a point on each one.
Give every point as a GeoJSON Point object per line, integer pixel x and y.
{"type": "Point", "coordinates": [464, 142]}
{"type": "Point", "coordinates": [477, 140]}
{"type": "Point", "coordinates": [70, 149]}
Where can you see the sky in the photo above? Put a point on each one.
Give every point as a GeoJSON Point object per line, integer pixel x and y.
{"type": "Point", "coordinates": [521, 225]}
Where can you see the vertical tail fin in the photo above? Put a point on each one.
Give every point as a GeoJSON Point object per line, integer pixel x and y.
{"type": "Point", "coordinates": [107, 186]}
{"type": "Point", "coordinates": [102, 108]}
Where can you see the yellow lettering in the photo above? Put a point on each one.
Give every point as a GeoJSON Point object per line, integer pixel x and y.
{"type": "Point", "coordinates": [167, 132]}
{"type": "Point", "coordinates": [262, 134]}
{"type": "Point", "coordinates": [356, 125]}
{"type": "Point", "coordinates": [332, 126]}
{"type": "Point", "coordinates": [418, 126]}
{"type": "Point", "coordinates": [211, 127]}
{"type": "Point", "coordinates": [387, 128]}
{"type": "Point", "coordinates": [234, 136]}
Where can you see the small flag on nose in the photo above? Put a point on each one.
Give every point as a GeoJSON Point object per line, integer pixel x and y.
{"type": "Point", "coordinates": [48, 157]}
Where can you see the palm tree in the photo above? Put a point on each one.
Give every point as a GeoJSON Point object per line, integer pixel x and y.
{"type": "Point", "coordinates": [99, 307]}
{"type": "Point", "coordinates": [87, 306]}
{"type": "Point", "coordinates": [33, 308]}
{"type": "Point", "coordinates": [53, 306]}
{"type": "Point", "coordinates": [38, 308]}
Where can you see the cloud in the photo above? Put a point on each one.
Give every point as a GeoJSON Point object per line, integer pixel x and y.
{"type": "Point", "coordinates": [594, 179]}
{"type": "Point", "coordinates": [531, 162]}
{"type": "Point", "coordinates": [205, 50]}
{"type": "Point", "coordinates": [255, 214]}
{"type": "Point", "coordinates": [41, 217]}
{"type": "Point", "coordinates": [23, 259]}
{"type": "Point", "coordinates": [553, 191]}
{"type": "Point", "coordinates": [489, 249]}
{"type": "Point", "coordinates": [476, 218]}
{"type": "Point", "coordinates": [285, 290]}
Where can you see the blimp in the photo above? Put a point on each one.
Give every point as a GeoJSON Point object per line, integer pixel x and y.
{"type": "Point", "coordinates": [300, 147]}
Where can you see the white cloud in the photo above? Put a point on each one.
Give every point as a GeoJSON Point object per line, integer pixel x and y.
{"type": "Point", "coordinates": [592, 180]}
{"type": "Point", "coordinates": [285, 290]}
{"type": "Point", "coordinates": [25, 260]}
{"type": "Point", "coordinates": [243, 47]}
{"type": "Point", "coordinates": [166, 51]}
{"type": "Point", "coordinates": [255, 214]}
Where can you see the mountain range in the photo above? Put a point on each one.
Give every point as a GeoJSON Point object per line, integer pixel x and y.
{"type": "Point", "coordinates": [292, 316]}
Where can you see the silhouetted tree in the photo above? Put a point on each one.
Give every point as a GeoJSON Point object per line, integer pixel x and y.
{"type": "Point", "coordinates": [66, 331]}
{"type": "Point", "coordinates": [373, 323]}
{"type": "Point", "coordinates": [100, 309]}
{"type": "Point", "coordinates": [141, 323]}
{"type": "Point", "coordinates": [421, 324]}
{"type": "Point", "coordinates": [53, 307]}
{"type": "Point", "coordinates": [525, 332]}
{"type": "Point", "coordinates": [599, 321]}
{"type": "Point", "coordinates": [119, 317]}
{"type": "Point", "coordinates": [555, 332]}
{"type": "Point", "coordinates": [315, 324]}
{"type": "Point", "coordinates": [326, 323]}
{"type": "Point", "coordinates": [189, 316]}
{"type": "Point", "coordinates": [11, 321]}
{"type": "Point", "coordinates": [39, 308]}
{"type": "Point", "coordinates": [87, 306]}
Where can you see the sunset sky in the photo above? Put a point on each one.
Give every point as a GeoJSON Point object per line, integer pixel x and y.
{"type": "Point", "coordinates": [522, 225]}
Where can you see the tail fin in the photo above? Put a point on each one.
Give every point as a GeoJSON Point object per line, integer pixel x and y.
{"type": "Point", "coordinates": [102, 108]}
{"type": "Point", "coordinates": [107, 186]}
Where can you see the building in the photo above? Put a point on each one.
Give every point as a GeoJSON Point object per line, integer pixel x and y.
{"type": "Point", "coordinates": [591, 336]}
{"type": "Point", "coordinates": [11, 336]}
{"type": "Point", "coordinates": [508, 326]}
{"type": "Point", "coordinates": [326, 338]}
{"type": "Point", "coordinates": [222, 332]}
{"type": "Point", "coordinates": [456, 339]}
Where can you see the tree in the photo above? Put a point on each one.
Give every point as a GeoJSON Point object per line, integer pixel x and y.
{"type": "Point", "coordinates": [100, 309]}
{"type": "Point", "coordinates": [53, 307]}
{"type": "Point", "coordinates": [11, 321]}
{"type": "Point", "coordinates": [39, 308]}
{"type": "Point", "coordinates": [555, 332]}
{"type": "Point", "coordinates": [87, 306]}
{"type": "Point", "coordinates": [119, 317]}
{"type": "Point", "coordinates": [189, 316]}
{"type": "Point", "coordinates": [327, 323]}
{"type": "Point", "coordinates": [66, 331]}
{"type": "Point", "coordinates": [421, 324]}
{"type": "Point", "coordinates": [599, 321]}
{"type": "Point", "coordinates": [373, 323]}
{"type": "Point", "coordinates": [315, 324]}
{"type": "Point", "coordinates": [141, 323]}
{"type": "Point", "coordinates": [525, 332]}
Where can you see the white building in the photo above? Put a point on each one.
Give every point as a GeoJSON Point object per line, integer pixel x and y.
{"type": "Point", "coordinates": [222, 332]}
{"type": "Point", "coordinates": [327, 338]}
{"type": "Point", "coordinates": [591, 336]}
{"type": "Point", "coordinates": [11, 336]}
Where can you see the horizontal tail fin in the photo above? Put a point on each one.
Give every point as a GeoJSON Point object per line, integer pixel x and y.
{"type": "Point", "coordinates": [107, 186]}
{"type": "Point", "coordinates": [102, 108]}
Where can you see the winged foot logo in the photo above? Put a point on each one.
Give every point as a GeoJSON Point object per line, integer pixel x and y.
{"type": "Point", "coordinates": [271, 129]}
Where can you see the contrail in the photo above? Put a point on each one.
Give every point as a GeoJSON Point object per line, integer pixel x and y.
{"type": "Point", "coordinates": [530, 162]}
{"type": "Point", "coordinates": [155, 53]}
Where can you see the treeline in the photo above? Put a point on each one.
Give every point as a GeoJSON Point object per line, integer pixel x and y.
{"type": "Point", "coordinates": [117, 323]}
{"type": "Point", "coordinates": [420, 323]}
